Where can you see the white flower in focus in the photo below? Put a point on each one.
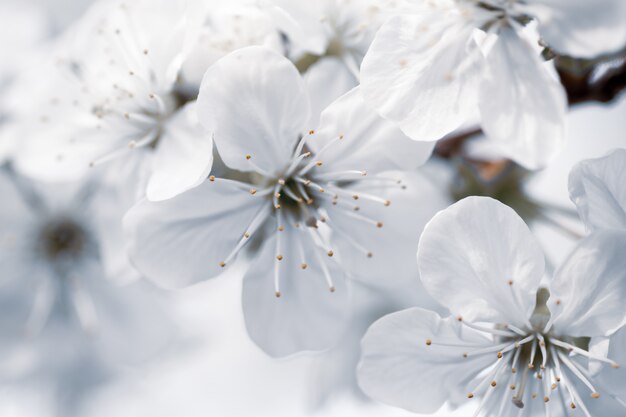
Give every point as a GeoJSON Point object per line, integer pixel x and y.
{"type": "Point", "coordinates": [118, 92]}
{"type": "Point", "coordinates": [312, 201]}
{"type": "Point", "coordinates": [431, 68]}
{"type": "Point", "coordinates": [515, 348]}
{"type": "Point", "coordinates": [596, 186]}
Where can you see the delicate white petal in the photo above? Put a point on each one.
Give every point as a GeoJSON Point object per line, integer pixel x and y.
{"type": "Point", "coordinates": [393, 246]}
{"type": "Point", "coordinates": [588, 290]}
{"type": "Point", "coordinates": [327, 80]}
{"type": "Point", "coordinates": [255, 103]}
{"type": "Point", "coordinates": [522, 105]}
{"type": "Point", "coordinates": [367, 142]}
{"type": "Point", "coordinates": [422, 72]}
{"type": "Point", "coordinates": [399, 368]}
{"type": "Point", "coordinates": [307, 315]}
{"type": "Point", "coordinates": [479, 259]}
{"type": "Point", "coordinates": [181, 241]}
{"type": "Point", "coordinates": [183, 158]}
{"type": "Point", "coordinates": [582, 28]}
{"type": "Point", "coordinates": [597, 188]}
{"type": "Point", "coordinates": [614, 379]}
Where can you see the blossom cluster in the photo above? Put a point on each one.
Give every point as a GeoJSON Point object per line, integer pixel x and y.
{"type": "Point", "coordinates": [313, 149]}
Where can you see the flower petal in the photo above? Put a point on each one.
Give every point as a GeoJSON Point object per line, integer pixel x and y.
{"type": "Point", "coordinates": [255, 103]}
{"type": "Point", "coordinates": [522, 105]}
{"type": "Point", "coordinates": [363, 140]}
{"type": "Point", "coordinates": [422, 72]}
{"type": "Point", "coordinates": [596, 186]}
{"type": "Point", "coordinates": [414, 359]}
{"type": "Point", "coordinates": [181, 241]}
{"type": "Point", "coordinates": [183, 158]}
{"type": "Point", "coordinates": [393, 246]}
{"type": "Point", "coordinates": [479, 259]}
{"type": "Point", "coordinates": [327, 80]}
{"type": "Point", "coordinates": [581, 28]}
{"type": "Point", "coordinates": [307, 316]}
{"type": "Point", "coordinates": [588, 290]}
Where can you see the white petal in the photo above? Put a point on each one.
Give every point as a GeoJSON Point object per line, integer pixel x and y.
{"type": "Point", "coordinates": [181, 241]}
{"type": "Point", "coordinates": [183, 158]}
{"type": "Point", "coordinates": [479, 259]}
{"type": "Point", "coordinates": [255, 103]}
{"type": "Point", "coordinates": [307, 316]}
{"type": "Point", "coordinates": [614, 379]}
{"type": "Point", "coordinates": [581, 28]}
{"type": "Point", "coordinates": [398, 367]}
{"type": "Point", "coordinates": [368, 142]}
{"type": "Point", "coordinates": [422, 72]}
{"type": "Point", "coordinates": [596, 186]}
{"type": "Point", "coordinates": [522, 105]}
{"type": "Point", "coordinates": [327, 80]}
{"type": "Point", "coordinates": [588, 290]}
{"type": "Point", "coordinates": [393, 246]}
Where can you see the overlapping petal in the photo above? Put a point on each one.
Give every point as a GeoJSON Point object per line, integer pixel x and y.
{"type": "Point", "coordinates": [256, 105]}
{"type": "Point", "coordinates": [596, 186]}
{"type": "Point", "coordinates": [364, 140]}
{"type": "Point", "coordinates": [588, 290]}
{"type": "Point", "coordinates": [423, 71]}
{"type": "Point", "coordinates": [183, 158]}
{"type": "Point", "coordinates": [181, 241]}
{"type": "Point", "coordinates": [522, 104]}
{"type": "Point", "coordinates": [479, 259]}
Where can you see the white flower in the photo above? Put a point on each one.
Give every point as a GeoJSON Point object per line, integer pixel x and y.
{"type": "Point", "coordinates": [120, 95]}
{"type": "Point", "coordinates": [62, 260]}
{"type": "Point", "coordinates": [518, 347]}
{"type": "Point", "coordinates": [431, 68]}
{"type": "Point", "coordinates": [310, 197]}
{"type": "Point", "coordinates": [597, 188]}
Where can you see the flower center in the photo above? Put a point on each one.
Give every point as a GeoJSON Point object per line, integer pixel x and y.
{"type": "Point", "coordinates": [62, 238]}
{"type": "Point", "coordinates": [314, 203]}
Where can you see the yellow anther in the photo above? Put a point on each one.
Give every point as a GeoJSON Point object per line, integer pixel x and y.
{"type": "Point", "coordinates": [311, 132]}
{"type": "Point", "coordinates": [494, 383]}
{"type": "Point", "coordinates": [303, 266]}
{"type": "Point", "coordinates": [429, 342]}
{"type": "Point", "coordinates": [222, 264]}
{"type": "Point", "coordinates": [253, 191]}
{"type": "Point", "coordinates": [595, 395]}
{"type": "Point", "coordinates": [279, 257]}
{"type": "Point", "coordinates": [330, 253]}
{"type": "Point", "coordinates": [387, 203]}
{"type": "Point", "coordinates": [248, 156]}
{"type": "Point", "coordinates": [470, 395]}
{"type": "Point", "coordinates": [212, 178]}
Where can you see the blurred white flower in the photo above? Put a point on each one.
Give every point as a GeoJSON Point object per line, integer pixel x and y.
{"type": "Point", "coordinates": [520, 348]}
{"type": "Point", "coordinates": [310, 197]}
{"type": "Point", "coordinates": [116, 91]}
{"type": "Point", "coordinates": [70, 315]}
{"type": "Point", "coordinates": [328, 40]}
{"type": "Point", "coordinates": [431, 68]}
